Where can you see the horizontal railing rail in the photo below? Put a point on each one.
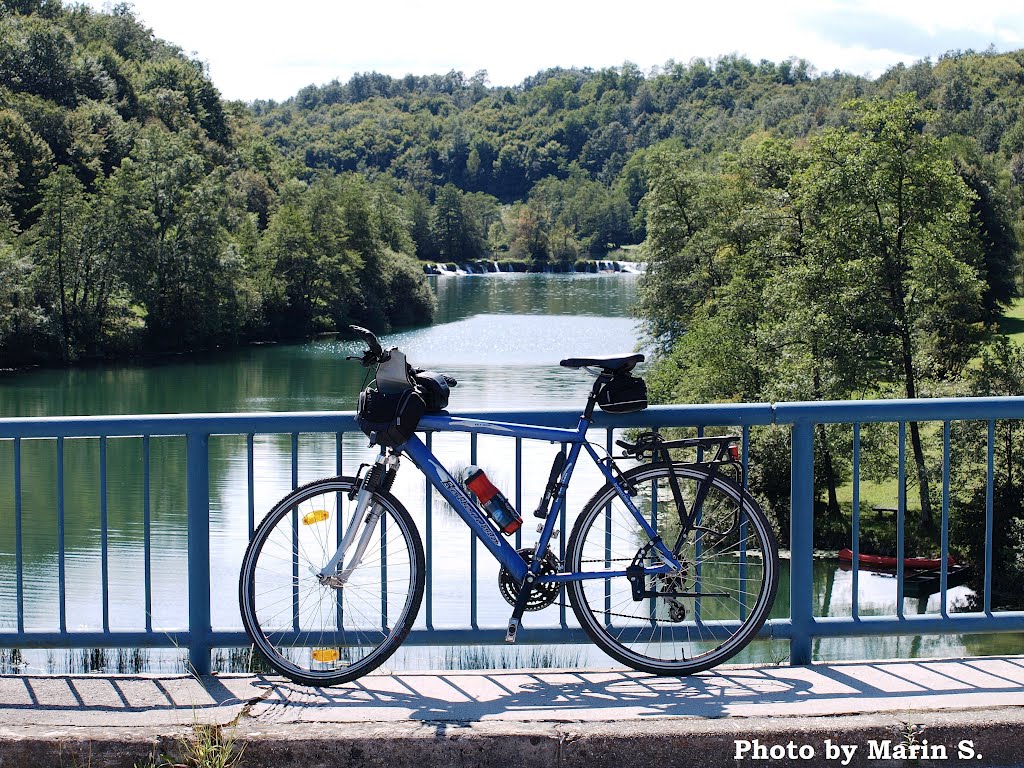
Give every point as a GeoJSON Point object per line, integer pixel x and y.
{"type": "Point", "coordinates": [199, 637]}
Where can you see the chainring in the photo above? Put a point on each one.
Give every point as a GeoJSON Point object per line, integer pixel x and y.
{"type": "Point", "coordinates": [542, 595]}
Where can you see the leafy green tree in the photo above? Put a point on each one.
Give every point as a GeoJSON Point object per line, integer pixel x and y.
{"type": "Point", "coordinates": [36, 57]}
{"type": "Point", "coordinates": [814, 273]}
{"type": "Point", "coordinates": [889, 204]}
{"type": "Point", "coordinates": [175, 239]}
{"type": "Point", "coordinates": [684, 244]}
{"type": "Point", "coordinates": [26, 159]}
{"type": "Point", "coordinates": [21, 320]}
{"type": "Point", "coordinates": [992, 212]}
{"type": "Point", "coordinates": [59, 248]}
{"type": "Point", "coordinates": [304, 253]}
{"type": "Point", "coordinates": [453, 232]}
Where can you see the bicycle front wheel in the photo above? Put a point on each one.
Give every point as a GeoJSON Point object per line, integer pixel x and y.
{"type": "Point", "coordinates": [321, 630]}
{"type": "Point", "coordinates": [683, 622]}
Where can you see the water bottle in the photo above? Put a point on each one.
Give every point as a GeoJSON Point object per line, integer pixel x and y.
{"type": "Point", "coordinates": [493, 501]}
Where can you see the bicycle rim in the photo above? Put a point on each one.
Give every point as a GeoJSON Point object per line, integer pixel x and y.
{"type": "Point", "coordinates": [700, 616]}
{"type": "Point", "coordinates": [324, 634]}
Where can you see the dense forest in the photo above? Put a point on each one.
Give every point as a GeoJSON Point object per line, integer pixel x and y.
{"type": "Point", "coordinates": [142, 214]}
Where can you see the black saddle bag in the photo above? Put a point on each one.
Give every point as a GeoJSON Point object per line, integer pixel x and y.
{"type": "Point", "coordinates": [623, 393]}
{"type": "Point", "coordinates": [389, 419]}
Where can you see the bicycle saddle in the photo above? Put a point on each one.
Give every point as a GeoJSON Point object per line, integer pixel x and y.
{"type": "Point", "coordinates": [611, 363]}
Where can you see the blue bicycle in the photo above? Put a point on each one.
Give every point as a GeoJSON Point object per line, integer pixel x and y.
{"type": "Point", "coordinates": [671, 567]}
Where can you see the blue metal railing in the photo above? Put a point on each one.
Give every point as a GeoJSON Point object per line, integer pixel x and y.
{"type": "Point", "coordinates": [801, 628]}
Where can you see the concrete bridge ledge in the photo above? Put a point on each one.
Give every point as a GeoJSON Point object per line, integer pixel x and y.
{"type": "Point", "coordinates": [938, 712]}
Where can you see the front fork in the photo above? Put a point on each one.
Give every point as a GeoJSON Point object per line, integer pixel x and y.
{"type": "Point", "coordinates": [380, 477]}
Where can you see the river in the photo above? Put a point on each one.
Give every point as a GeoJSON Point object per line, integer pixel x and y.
{"type": "Point", "coordinates": [501, 336]}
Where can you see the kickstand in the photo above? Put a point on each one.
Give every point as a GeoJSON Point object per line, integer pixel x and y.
{"type": "Point", "coordinates": [520, 607]}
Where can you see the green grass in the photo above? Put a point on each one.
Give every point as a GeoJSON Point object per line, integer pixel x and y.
{"type": "Point", "coordinates": [878, 529]}
{"type": "Point", "coordinates": [1012, 322]}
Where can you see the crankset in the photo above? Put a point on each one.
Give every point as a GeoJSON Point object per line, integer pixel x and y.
{"type": "Point", "coordinates": [542, 595]}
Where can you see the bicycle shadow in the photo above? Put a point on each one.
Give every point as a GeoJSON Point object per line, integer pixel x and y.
{"type": "Point", "coordinates": [529, 695]}
{"type": "Point", "coordinates": [570, 696]}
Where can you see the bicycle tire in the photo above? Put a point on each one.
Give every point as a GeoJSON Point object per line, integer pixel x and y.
{"type": "Point", "coordinates": [674, 635]}
{"type": "Point", "coordinates": [313, 633]}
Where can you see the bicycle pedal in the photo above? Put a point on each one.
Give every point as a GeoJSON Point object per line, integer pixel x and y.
{"type": "Point", "coordinates": [513, 628]}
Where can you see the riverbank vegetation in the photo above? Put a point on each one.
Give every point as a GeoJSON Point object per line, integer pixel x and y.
{"type": "Point", "coordinates": [808, 235]}
{"type": "Point", "coordinates": [142, 214]}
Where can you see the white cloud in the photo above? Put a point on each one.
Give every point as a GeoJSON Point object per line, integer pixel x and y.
{"type": "Point", "coordinates": [259, 49]}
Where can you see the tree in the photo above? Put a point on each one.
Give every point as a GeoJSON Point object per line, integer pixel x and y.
{"type": "Point", "coordinates": [452, 231]}
{"type": "Point", "coordinates": [815, 272]}
{"type": "Point", "coordinates": [685, 208]}
{"type": "Point", "coordinates": [998, 373]}
{"type": "Point", "coordinates": [21, 320]}
{"type": "Point", "coordinates": [174, 239]}
{"type": "Point", "coordinates": [59, 248]}
{"type": "Point", "coordinates": [307, 261]}
{"type": "Point", "coordinates": [888, 204]}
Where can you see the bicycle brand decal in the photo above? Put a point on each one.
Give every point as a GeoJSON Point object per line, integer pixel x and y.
{"type": "Point", "coordinates": [488, 426]}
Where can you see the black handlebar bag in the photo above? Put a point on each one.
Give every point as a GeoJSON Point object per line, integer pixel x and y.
{"type": "Point", "coordinates": [435, 390]}
{"type": "Point", "coordinates": [389, 419]}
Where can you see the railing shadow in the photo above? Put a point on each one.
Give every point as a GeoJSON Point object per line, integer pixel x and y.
{"type": "Point", "coordinates": [94, 699]}
{"type": "Point", "coordinates": [573, 695]}
{"type": "Point", "coordinates": [520, 696]}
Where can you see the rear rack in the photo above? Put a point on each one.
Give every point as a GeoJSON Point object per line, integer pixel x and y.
{"type": "Point", "coordinates": [651, 444]}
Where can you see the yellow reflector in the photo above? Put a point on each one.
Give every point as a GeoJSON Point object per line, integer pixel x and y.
{"type": "Point", "coordinates": [325, 655]}
{"type": "Point", "coordinates": [316, 516]}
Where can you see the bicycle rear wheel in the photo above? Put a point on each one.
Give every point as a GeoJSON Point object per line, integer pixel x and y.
{"type": "Point", "coordinates": [310, 629]}
{"type": "Point", "coordinates": [684, 622]}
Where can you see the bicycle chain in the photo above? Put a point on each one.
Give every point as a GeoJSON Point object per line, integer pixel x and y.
{"type": "Point", "coordinates": [563, 604]}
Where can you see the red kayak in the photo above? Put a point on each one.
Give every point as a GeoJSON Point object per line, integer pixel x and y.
{"type": "Point", "coordinates": [881, 561]}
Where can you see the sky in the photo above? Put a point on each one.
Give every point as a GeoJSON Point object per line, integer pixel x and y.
{"type": "Point", "coordinates": [269, 50]}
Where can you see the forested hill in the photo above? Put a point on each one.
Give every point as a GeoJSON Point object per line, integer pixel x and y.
{"type": "Point", "coordinates": [572, 143]}
{"type": "Point", "coordinates": [141, 213]}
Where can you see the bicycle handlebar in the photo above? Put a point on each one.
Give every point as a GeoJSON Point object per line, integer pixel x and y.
{"type": "Point", "coordinates": [374, 353]}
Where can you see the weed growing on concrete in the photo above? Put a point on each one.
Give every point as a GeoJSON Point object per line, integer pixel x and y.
{"type": "Point", "coordinates": [207, 747]}
{"type": "Point", "coordinates": [778, 653]}
{"type": "Point", "coordinates": [210, 747]}
{"type": "Point", "coordinates": [908, 732]}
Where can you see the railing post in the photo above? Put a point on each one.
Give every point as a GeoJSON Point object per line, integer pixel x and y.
{"type": "Point", "coordinates": [198, 502]}
{"type": "Point", "coordinates": [801, 543]}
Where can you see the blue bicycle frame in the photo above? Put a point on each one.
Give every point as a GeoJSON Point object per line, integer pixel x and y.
{"type": "Point", "coordinates": [477, 520]}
